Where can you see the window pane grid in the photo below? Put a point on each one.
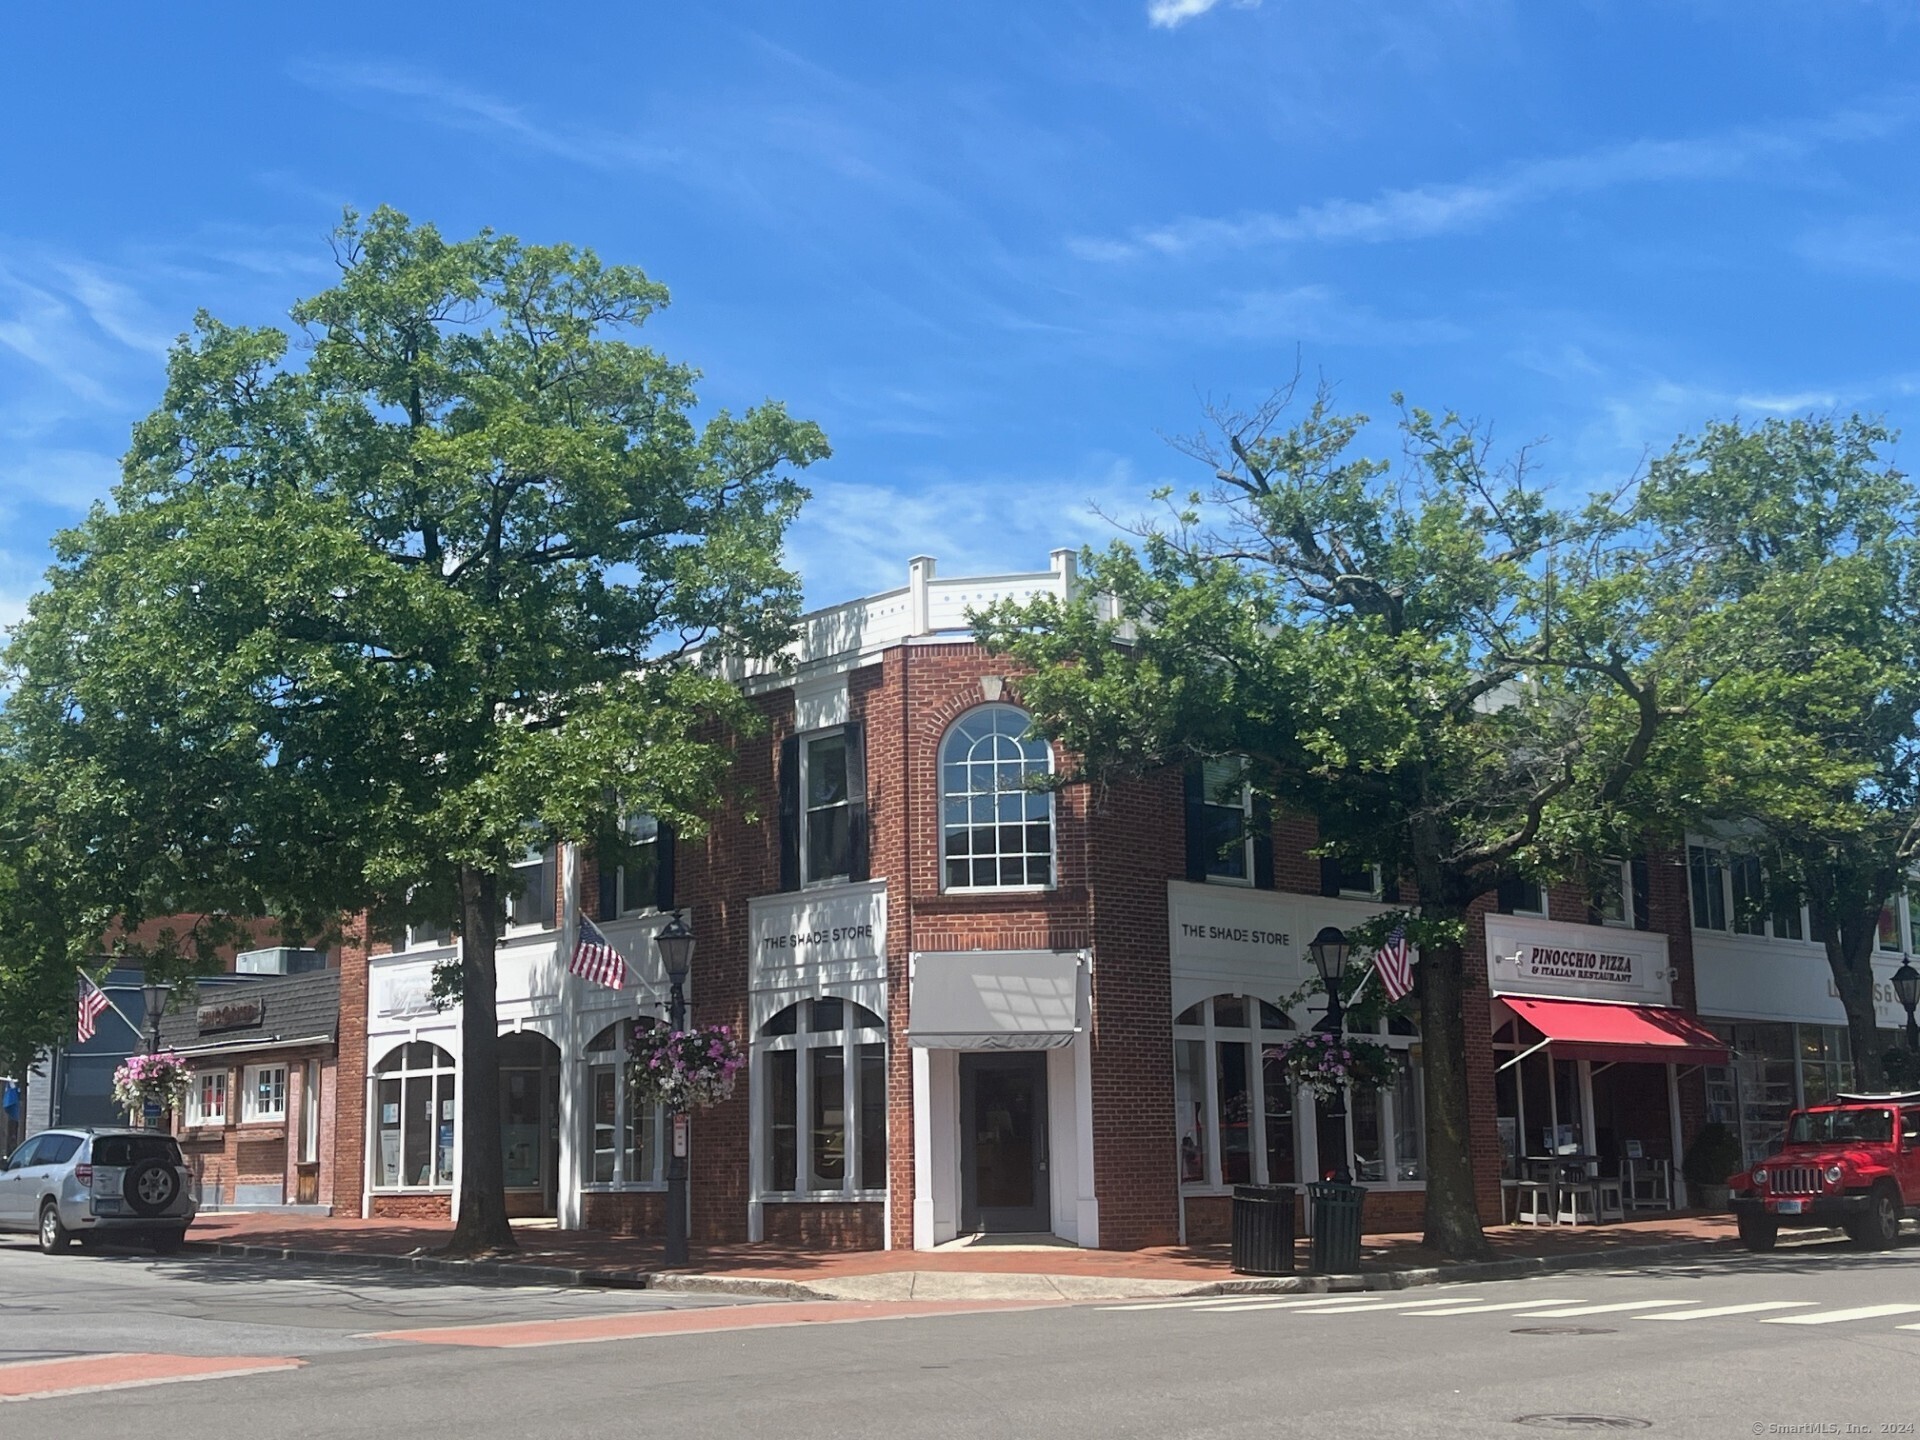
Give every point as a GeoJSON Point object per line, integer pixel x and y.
{"type": "Point", "coordinates": [998, 833]}
{"type": "Point", "coordinates": [823, 1125]}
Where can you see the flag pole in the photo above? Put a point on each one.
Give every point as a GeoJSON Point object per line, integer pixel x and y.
{"type": "Point", "coordinates": [138, 1033]}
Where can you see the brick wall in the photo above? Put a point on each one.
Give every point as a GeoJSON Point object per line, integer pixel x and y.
{"type": "Point", "coordinates": [350, 1076]}
{"type": "Point", "coordinates": [412, 1207]}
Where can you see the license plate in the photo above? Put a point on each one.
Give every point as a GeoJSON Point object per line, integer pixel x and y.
{"type": "Point", "coordinates": [106, 1207]}
{"type": "Point", "coordinates": [1789, 1207]}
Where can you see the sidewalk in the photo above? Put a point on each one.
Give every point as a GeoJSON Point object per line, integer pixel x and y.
{"type": "Point", "coordinates": [976, 1270]}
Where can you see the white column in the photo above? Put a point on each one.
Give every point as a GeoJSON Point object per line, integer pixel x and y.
{"type": "Point", "coordinates": [1673, 1125]}
{"type": "Point", "coordinates": [1087, 1207]}
{"type": "Point", "coordinates": [919, 576]}
{"type": "Point", "coordinates": [570, 1206]}
{"type": "Point", "coordinates": [922, 1148]}
{"type": "Point", "coordinates": [1590, 1140]}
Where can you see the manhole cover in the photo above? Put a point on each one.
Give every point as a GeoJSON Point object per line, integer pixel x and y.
{"type": "Point", "coordinates": [1564, 1330]}
{"type": "Point", "coordinates": [1583, 1422]}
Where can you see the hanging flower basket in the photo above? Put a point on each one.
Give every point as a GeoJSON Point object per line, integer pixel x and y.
{"type": "Point", "coordinates": [1327, 1064]}
{"type": "Point", "coordinates": [161, 1076]}
{"type": "Point", "coordinates": [684, 1070]}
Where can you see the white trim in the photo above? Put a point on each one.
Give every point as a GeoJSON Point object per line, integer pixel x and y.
{"type": "Point", "coordinates": [250, 1079]}
{"type": "Point", "coordinates": [940, 815]}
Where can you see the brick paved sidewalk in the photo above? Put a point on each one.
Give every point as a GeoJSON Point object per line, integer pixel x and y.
{"type": "Point", "coordinates": [634, 1260]}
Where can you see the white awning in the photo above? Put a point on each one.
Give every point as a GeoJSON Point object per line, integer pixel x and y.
{"type": "Point", "coordinates": [996, 999]}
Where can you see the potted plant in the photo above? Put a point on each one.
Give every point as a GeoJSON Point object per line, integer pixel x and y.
{"type": "Point", "coordinates": [1715, 1155]}
{"type": "Point", "coordinates": [159, 1079]}
{"type": "Point", "coordinates": [1329, 1064]}
{"type": "Point", "coordinates": [683, 1070]}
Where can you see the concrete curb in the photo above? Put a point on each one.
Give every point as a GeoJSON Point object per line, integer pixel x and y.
{"type": "Point", "coordinates": [513, 1272]}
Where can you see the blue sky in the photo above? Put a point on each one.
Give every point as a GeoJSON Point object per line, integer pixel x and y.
{"type": "Point", "coordinates": [1000, 250]}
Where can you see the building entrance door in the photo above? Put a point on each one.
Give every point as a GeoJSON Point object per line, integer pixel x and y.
{"type": "Point", "coordinates": [530, 1122]}
{"type": "Point", "coordinates": [1003, 1144]}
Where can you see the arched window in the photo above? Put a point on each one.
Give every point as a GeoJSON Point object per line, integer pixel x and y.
{"type": "Point", "coordinates": [823, 1116]}
{"type": "Point", "coordinates": [414, 1122]}
{"type": "Point", "coordinates": [996, 833]}
{"type": "Point", "coordinates": [1231, 1130]}
{"type": "Point", "coordinates": [623, 1140]}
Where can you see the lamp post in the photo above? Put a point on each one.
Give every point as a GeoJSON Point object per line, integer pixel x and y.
{"type": "Point", "coordinates": [1906, 988]}
{"type": "Point", "coordinates": [154, 993]}
{"type": "Point", "coordinates": [1329, 950]}
{"type": "Point", "coordinates": [676, 954]}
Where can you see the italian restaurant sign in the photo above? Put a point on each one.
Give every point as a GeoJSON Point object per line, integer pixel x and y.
{"type": "Point", "coordinates": [1528, 956]}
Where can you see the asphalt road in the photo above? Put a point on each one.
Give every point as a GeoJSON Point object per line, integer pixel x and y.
{"type": "Point", "coordinates": [1809, 1337]}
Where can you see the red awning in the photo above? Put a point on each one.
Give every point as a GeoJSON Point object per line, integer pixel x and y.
{"type": "Point", "coordinates": [1603, 1030]}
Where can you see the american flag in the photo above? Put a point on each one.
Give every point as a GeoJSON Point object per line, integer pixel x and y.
{"type": "Point", "coordinates": [1395, 969]}
{"type": "Point", "coordinates": [93, 1004]}
{"type": "Point", "coordinates": [595, 959]}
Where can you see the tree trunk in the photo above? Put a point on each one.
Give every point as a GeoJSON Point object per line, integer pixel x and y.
{"type": "Point", "coordinates": [481, 1226]}
{"type": "Point", "coordinates": [1850, 941]}
{"type": "Point", "coordinates": [1453, 1211]}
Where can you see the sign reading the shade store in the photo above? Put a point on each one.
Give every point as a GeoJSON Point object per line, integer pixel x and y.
{"type": "Point", "coordinates": [837, 930]}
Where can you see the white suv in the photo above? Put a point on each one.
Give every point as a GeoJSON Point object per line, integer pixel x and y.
{"type": "Point", "coordinates": [64, 1185]}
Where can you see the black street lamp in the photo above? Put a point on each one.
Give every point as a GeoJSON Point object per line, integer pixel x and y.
{"type": "Point", "coordinates": [1906, 988]}
{"type": "Point", "coordinates": [154, 993]}
{"type": "Point", "coordinates": [1329, 950]}
{"type": "Point", "coordinates": [676, 954]}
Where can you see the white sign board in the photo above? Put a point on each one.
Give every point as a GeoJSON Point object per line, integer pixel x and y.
{"type": "Point", "coordinates": [1741, 977]}
{"type": "Point", "coordinates": [1228, 940]}
{"type": "Point", "coordinates": [403, 992]}
{"type": "Point", "coordinates": [1528, 956]}
{"type": "Point", "coordinates": [838, 932]}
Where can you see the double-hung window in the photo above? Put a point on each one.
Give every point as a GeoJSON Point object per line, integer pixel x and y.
{"type": "Point", "coordinates": [207, 1098]}
{"type": "Point", "coordinates": [823, 1113]}
{"type": "Point", "coordinates": [263, 1094]}
{"type": "Point", "coordinates": [530, 891]}
{"type": "Point", "coordinates": [1611, 882]}
{"type": "Point", "coordinates": [823, 808]}
{"type": "Point", "coordinates": [1220, 822]}
{"type": "Point", "coordinates": [623, 1140]}
{"type": "Point", "coordinates": [638, 875]}
{"type": "Point", "coordinates": [1730, 893]}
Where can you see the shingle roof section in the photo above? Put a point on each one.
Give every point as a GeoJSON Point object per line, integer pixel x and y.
{"type": "Point", "coordinates": [291, 1007]}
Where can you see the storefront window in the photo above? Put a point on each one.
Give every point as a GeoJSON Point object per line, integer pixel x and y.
{"type": "Point", "coordinates": [623, 1141]}
{"type": "Point", "coordinates": [414, 1130]}
{"type": "Point", "coordinates": [1236, 1113]}
{"type": "Point", "coordinates": [1245, 1136]}
{"type": "Point", "coordinates": [1190, 1108]}
{"type": "Point", "coordinates": [823, 1099]}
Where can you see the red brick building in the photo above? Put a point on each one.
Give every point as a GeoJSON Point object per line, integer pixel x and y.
{"type": "Point", "coordinates": [975, 1006]}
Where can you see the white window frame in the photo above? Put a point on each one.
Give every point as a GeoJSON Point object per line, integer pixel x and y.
{"type": "Point", "coordinates": [624, 904]}
{"type": "Point", "coordinates": [808, 880]}
{"type": "Point", "coordinates": [1053, 812]}
{"type": "Point", "coordinates": [1306, 1115]}
{"type": "Point", "coordinates": [1901, 921]}
{"type": "Point", "coordinates": [655, 1161]}
{"type": "Point", "coordinates": [1246, 879]}
{"type": "Point", "coordinates": [420, 937]}
{"type": "Point", "coordinates": [852, 1037]}
{"type": "Point", "coordinates": [537, 857]}
{"type": "Point", "coordinates": [404, 1073]}
{"type": "Point", "coordinates": [198, 1112]}
{"type": "Point", "coordinates": [310, 1112]}
{"type": "Point", "coordinates": [251, 1112]}
{"type": "Point", "coordinates": [1628, 900]}
{"type": "Point", "coordinates": [1539, 914]}
{"type": "Point", "coordinates": [1723, 856]}
{"type": "Point", "coordinates": [1373, 892]}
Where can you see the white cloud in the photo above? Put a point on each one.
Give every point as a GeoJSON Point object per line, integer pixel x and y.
{"type": "Point", "coordinates": [1417, 212]}
{"type": "Point", "coordinates": [1865, 246]}
{"type": "Point", "coordinates": [1171, 14]}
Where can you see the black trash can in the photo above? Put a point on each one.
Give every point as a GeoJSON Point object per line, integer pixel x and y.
{"type": "Point", "coordinates": [1263, 1229]}
{"type": "Point", "coordinates": [1336, 1227]}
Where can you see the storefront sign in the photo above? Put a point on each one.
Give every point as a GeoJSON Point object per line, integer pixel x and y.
{"type": "Point", "coordinates": [1742, 977]}
{"type": "Point", "coordinates": [842, 928]}
{"type": "Point", "coordinates": [1227, 940]}
{"type": "Point", "coordinates": [1529, 956]}
{"type": "Point", "coordinates": [230, 1015]}
{"type": "Point", "coordinates": [404, 994]}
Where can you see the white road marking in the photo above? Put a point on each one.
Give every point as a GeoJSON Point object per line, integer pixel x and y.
{"type": "Point", "coordinates": [1378, 1305]}
{"type": "Point", "coordinates": [1489, 1309]}
{"type": "Point", "coordinates": [1716, 1311]}
{"type": "Point", "coordinates": [1835, 1317]}
{"type": "Point", "coordinates": [1197, 1302]}
{"type": "Point", "coordinates": [1569, 1313]}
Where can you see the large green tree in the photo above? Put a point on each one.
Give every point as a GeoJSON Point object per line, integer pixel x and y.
{"type": "Point", "coordinates": [369, 616]}
{"type": "Point", "coordinates": [1445, 670]}
{"type": "Point", "coordinates": [1798, 538]}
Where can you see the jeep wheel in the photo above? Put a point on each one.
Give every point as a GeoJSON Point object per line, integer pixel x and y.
{"type": "Point", "coordinates": [53, 1235]}
{"type": "Point", "coordinates": [1879, 1228]}
{"type": "Point", "coordinates": [1759, 1232]}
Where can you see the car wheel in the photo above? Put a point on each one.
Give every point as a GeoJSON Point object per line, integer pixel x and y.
{"type": "Point", "coordinates": [1879, 1228]}
{"type": "Point", "coordinates": [54, 1236]}
{"type": "Point", "coordinates": [1759, 1233]}
{"type": "Point", "coordinates": [151, 1186]}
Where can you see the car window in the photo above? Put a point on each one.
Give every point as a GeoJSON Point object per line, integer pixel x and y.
{"type": "Point", "coordinates": [23, 1157]}
{"type": "Point", "coordinates": [1910, 1127]}
{"type": "Point", "coordinates": [57, 1149]}
{"type": "Point", "coordinates": [1871, 1127]}
{"type": "Point", "coordinates": [132, 1149]}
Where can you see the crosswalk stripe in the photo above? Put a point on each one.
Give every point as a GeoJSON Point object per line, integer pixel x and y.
{"type": "Point", "coordinates": [1570, 1312]}
{"type": "Point", "coordinates": [1322, 1305]}
{"type": "Point", "coordinates": [1489, 1309]}
{"type": "Point", "coordinates": [1373, 1305]}
{"type": "Point", "coordinates": [1202, 1302]}
{"type": "Point", "coordinates": [1834, 1317]}
{"type": "Point", "coordinates": [1714, 1312]}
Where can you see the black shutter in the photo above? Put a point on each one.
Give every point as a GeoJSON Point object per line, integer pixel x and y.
{"type": "Point", "coordinates": [1329, 875]}
{"type": "Point", "coordinates": [1511, 892]}
{"type": "Point", "coordinates": [1262, 842]}
{"type": "Point", "coordinates": [857, 863]}
{"type": "Point", "coordinates": [609, 889]}
{"type": "Point", "coordinates": [1389, 887]}
{"type": "Point", "coordinates": [1641, 921]}
{"type": "Point", "coordinates": [790, 813]}
{"type": "Point", "coordinates": [1197, 837]}
{"type": "Point", "coordinates": [663, 853]}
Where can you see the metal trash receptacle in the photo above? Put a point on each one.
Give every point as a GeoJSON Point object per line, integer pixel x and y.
{"type": "Point", "coordinates": [1336, 1227]}
{"type": "Point", "coordinates": [1263, 1229]}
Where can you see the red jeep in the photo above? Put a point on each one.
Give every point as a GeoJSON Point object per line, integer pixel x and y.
{"type": "Point", "coordinates": [1854, 1163]}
